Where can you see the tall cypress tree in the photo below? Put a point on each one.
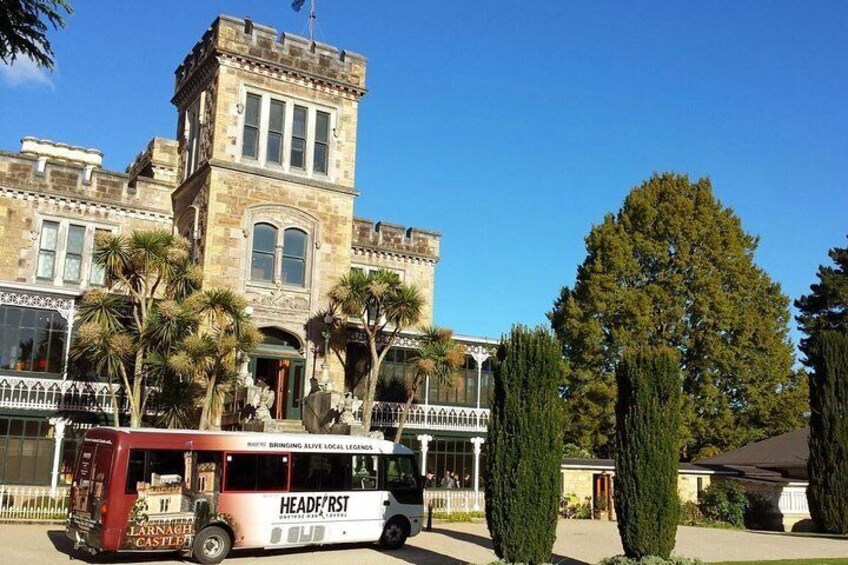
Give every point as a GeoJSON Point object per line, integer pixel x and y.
{"type": "Point", "coordinates": [646, 458]}
{"type": "Point", "coordinates": [524, 447]}
{"type": "Point", "coordinates": [828, 462]}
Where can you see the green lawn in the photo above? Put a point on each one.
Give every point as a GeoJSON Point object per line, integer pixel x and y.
{"type": "Point", "coordinates": [788, 562]}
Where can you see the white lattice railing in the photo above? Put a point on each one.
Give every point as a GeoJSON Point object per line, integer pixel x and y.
{"type": "Point", "coordinates": [431, 417]}
{"type": "Point", "coordinates": [50, 394]}
{"type": "Point", "coordinates": [793, 500]}
{"type": "Point", "coordinates": [32, 503]}
{"type": "Point", "coordinates": [448, 501]}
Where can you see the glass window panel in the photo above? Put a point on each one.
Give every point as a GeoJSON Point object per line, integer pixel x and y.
{"type": "Point", "coordinates": [299, 125]}
{"type": "Point", "coordinates": [322, 126]}
{"type": "Point", "coordinates": [401, 473]}
{"type": "Point", "coordinates": [73, 264]}
{"type": "Point", "coordinates": [264, 237]}
{"type": "Point", "coordinates": [293, 271]}
{"type": "Point", "coordinates": [305, 474]}
{"type": "Point", "coordinates": [251, 112]}
{"type": "Point", "coordinates": [275, 122]}
{"type": "Point", "coordinates": [13, 459]}
{"type": "Point", "coordinates": [320, 158]}
{"type": "Point", "coordinates": [262, 267]}
{"type": "Point", "coordinates": [297, 153]}
{"type": "Point", "coordinates": [49, 235]}
{"type": "Point", "coordinates": [294, 243]}
{"type": "Point", "coordinates": [28, 317]}
{"type": "Point", "coordinates": [46, 260]}
{"type": "Point", "coordinates": [251, 142]}
{"type": "Point", "coordinates": [56, 356]}
{"type": "Point", "coordinates": [272, 472]}
{"type": "Point", "coordinates": [275, 148]}
{"type": "Point", "coordinates": [364, 472]}
{"type": "Point", "coordinates": [76, 239]}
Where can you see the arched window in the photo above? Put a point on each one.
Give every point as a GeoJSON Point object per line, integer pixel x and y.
{"type": "Point", "coordinates": [262, 258]}
{"type": "Point", "coordinates": [294, 257]}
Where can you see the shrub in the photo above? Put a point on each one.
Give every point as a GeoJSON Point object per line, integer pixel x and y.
{"type": "Point", "coordinates": [525, 447]}
{"type": "Point", "coordinates": [650, 560]}
{"type": "Point", "coordinates": [758, 515]}
{"type": "Point", "coordinates": [572, 508]}
{"type": "Point", "coordinates": [647, 430]}
{"type": "Point", "coordinates": [459, 516]}
{"type": "Point", "coordinates": [725, 501]}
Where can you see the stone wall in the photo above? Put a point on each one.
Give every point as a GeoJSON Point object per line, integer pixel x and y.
{"type": "Point", "coordinates": [413, 252]}
{"type": "Point", "coordinates": [36, 187]}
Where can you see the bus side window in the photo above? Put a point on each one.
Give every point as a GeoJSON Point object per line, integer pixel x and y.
{"type": "Point", "coordinates": [145, 463]}
{"type": "Point", "coordinates": [259, 472]}
{"type": "Point", "coordinates": [316, 472]}
{"type": "Point", "coordinates": [364, 473]}
{"type": "Point", "coordinates": [400, 472]}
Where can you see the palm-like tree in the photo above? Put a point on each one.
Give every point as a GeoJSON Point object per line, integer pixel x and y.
{"type": "Point", "coordinates": [209, 356]}
{"type": "Point", "coordinates": [384, 306]}
{"type": "Point", "coordinates": [148, 274]}
{"type": "Point", "coordinates": [438, 357]}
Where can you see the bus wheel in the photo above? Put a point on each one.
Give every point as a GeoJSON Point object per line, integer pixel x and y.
{"type": "Point", "coordinates": [211, 545]}
{"type": "Point", "coordinates": [395, 533]}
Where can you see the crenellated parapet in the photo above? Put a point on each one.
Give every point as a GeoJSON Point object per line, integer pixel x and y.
{"type": "Point", "coordinates": [268, 51]}
{"type": "Point", "coordinates": [159, 162]}
{"type": "Point", "coordinates": [383, 238]}
{"type": "Point", "coordinates": [75, 174]}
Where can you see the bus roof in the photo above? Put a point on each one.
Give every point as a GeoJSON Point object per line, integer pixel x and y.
{"type": "Point", "coordinates": [286, 441]}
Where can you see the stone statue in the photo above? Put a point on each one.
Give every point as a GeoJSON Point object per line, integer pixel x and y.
{"type": "Point", "coordinates": [262, 398]}
{"type": "Point", "coordinates": [347, 407]}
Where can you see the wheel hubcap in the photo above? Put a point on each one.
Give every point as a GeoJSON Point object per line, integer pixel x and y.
{"type": "Point", "coordinates": [212, 546]}
{"type": "Point", "coordinates": [393, 533]}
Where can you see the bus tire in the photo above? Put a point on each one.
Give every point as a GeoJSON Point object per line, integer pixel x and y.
{"type": "Point", "coordinates": [395, 533]}
{"type": "Point", "coordinates": [211, 545]}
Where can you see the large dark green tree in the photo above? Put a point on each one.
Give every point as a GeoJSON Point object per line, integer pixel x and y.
{"type": "Point", "coordinates": [524, 447]}
{"type": "Point", "coordinates": [23, 29]}
{"type": "Point", "coordinates": [675, 268]}
{"type": "Point", "coordinates": [828, 462]}
{"type": "Point", "coordinates": [647, 435]}
{"type": "Point", "coordinates": [826, 307]}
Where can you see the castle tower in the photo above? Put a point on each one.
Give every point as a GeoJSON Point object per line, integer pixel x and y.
{"type": "Point", "coordinates": [267, 144]}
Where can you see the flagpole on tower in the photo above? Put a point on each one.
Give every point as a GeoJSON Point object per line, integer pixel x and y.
{"type": "Point", "coordinates": [312, 18]}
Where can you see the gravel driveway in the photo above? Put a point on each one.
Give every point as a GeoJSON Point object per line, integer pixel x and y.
{"type": "Point", "coordinates": [578, 542]}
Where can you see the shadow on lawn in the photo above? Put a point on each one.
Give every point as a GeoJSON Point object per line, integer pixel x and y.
{"type": "Point", "coordinates": [486, 542]}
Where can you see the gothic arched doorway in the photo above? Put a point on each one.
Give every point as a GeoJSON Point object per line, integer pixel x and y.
{"type": "Point", "coordinates": [278, 363]}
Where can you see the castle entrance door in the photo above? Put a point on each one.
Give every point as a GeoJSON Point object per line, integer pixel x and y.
{"type": "Point", "coordinates": [278, 364]}
{"type": "Point", "coordinates": [284, 376]}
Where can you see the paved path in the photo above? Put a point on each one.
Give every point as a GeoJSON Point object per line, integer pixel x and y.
{"type": "Point", "coordinates": [578, 542]}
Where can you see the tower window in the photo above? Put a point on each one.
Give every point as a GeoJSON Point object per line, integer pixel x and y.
{"type": "Point", "coordinates": [298, 145]}
{"type": "Point", "coordinates": [321, 152]}
{"type": "Point", "coordinates": [262, 260]}
{"type": "Point", "coordinates": [294, 257]}
{"type": "Point", "coordinates": [275, 132]}
{"type": "Point", "coordinates": [250, 143]}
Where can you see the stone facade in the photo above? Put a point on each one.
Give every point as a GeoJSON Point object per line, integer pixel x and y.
{"type": "Point", "coordinates": [266, 135]}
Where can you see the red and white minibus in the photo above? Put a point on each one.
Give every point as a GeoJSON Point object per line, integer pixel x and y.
{"type": "Point", "coordinates": [204, 493]}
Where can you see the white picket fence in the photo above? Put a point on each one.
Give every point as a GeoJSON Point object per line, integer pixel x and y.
{"type": "Point", "coordinates": [448, 501]}
{"type": "Point", "coordinates": [32, 503]}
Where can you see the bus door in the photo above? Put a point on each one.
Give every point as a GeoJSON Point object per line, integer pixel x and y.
{"type": "Point", "coordinates": [90, 486]}
{"type": "Point", "coordinates": [405, 494]}
{"type": "Point", "coordinates": [367, 501]}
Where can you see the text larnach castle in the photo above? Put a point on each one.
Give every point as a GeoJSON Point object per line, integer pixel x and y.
{"type": "Point", "coordinates": [261, 181]}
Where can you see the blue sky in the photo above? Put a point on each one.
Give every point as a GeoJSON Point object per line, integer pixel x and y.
{"type": "Point", "coordinates": [513, 127]}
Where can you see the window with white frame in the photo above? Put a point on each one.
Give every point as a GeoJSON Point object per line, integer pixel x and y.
{"type": "Point", "coordinates": [65, 253]}
{"type": "Point", "coordinates": [278, 260]}
{"type": "Point", "coordinates": [192, 139]}
{"type": "Point", "coordinates": [287, 134]}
